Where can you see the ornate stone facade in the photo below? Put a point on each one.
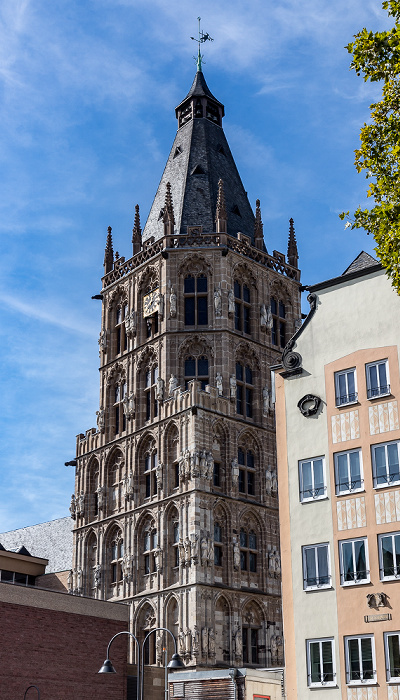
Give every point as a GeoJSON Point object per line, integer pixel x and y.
{"type": "Point", "coordinates": [176, 492]}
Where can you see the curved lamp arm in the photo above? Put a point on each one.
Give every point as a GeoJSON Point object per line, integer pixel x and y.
{"type": "Point", "coordinates": [157, 629]}
{"type": "Point", "coordinates": [32, 686]}
{"type": "Point", "coordinates": [109, 668]}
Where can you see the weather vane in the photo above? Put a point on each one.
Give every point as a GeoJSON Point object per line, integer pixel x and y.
{"type": "Point", "coordinates": [203, 36]}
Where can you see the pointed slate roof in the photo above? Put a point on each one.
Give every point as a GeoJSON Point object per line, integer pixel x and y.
{"type": "Point", "coordinates": [362, 261]}
{"type": "Point", "coordinates": [199, 158]}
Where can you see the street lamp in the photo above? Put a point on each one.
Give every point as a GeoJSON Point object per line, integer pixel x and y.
{"type": "Point", "coordinates": [107, 667]}
{"type": "Point", "coordinates": [176, 661]}
{"type": "Point", "coordinates": [32, 686]}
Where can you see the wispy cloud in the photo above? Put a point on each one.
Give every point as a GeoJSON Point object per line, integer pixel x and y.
{"type": "Point", "coordinates": [60, 318]}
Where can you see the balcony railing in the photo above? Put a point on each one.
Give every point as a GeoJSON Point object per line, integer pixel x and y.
{"type": "Point", "coordinates": [380, 479]}
{"type": "Point", "coordinates": [321, 678]}
{"type": "Point", "coordinates": [355, 576]}
{"type": "Point", "coordinates": [349, 486]}
{"type": "Point", "coordinates": [361, 676]}
{"type": "Point", "coordinates": [378, 391]}
{"type": "Point", "coordinates": [317, 582]}
{"type": "Point", "coordinates": [392, 571]}
{"type": "Point", "coordinates": [318, 492]}
{"type": "Point", "coordinates": [346, 398]}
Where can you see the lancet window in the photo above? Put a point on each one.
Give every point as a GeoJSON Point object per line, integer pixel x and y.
{"type": "Point", "coordinates": [247, 472]}
{"type": "Point", "coordinates": [196, 300]}
{"type": "Point", "coordinates": [242, 308]}
{"type": "Point", "coordinates": [196, 368]}
{"type": "Point", "coordinates": [244, 390]}
{"type": "Point", "coordinates": [278, 330]}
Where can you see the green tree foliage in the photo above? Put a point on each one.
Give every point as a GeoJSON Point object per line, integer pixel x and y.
{"type": "Point", "coordinates": [377, 58]}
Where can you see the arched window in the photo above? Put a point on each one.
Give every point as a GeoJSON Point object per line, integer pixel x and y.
{"type": "Point", "coordinates": [150, 393]}
{"type": "Point", "coordinates": [175, 543]}
{"type": "Point", "coordinates": [196, 300]}
{"type": "Point", "coordinates": [117, 554]}
{"type": "Point", "coordinates": [114, 483]}
{"type": "Point", "coordinates": [172, 461]}
{"type": "Point", "coordinates": [92, 561]}
{"type": "Point", "coordinates": [246, 471]}
{"type": "Point", "coordinates": [196, 368]}
{"type": "Point", "coordinates": [150, 542]}
{"type": "Point", "coordinates": [119, 413]}
{"type": "Point", "coordinates": [150, 473]}
{"type": "Point", "coordinates": [248, 550]}
{"type": "Point", "coordinates": [121, 312]}
{"type": "Point", "coordinates": [252, 636]}
{"type": "Point", "coordinates": [217, 545]}
{"type": "Point", "coordinates": [278, 330]}
{"type": "Point", "coordinates": [222, 631]}
{"type": "Point", "coordinates": [242, 308]}
{"type": "Point", "coordinates": [244, 390]}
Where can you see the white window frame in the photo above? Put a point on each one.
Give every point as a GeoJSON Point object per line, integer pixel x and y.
{"type": "Point", "coordinates": [349, 400]}
{"type": "Point", "coordinates": [317, 496]}
{"type": "Point", "coordinates": [360, 681]}
{"type": "Point", "coordinates": [387, 482]}
{"type": "Point", "coordinates": [317, 586]}
{"type": "Point", "coordinates": [355, 582]}
{"type": "Point", "coordinates": [321, 683]}
{"type": "Point", "coordinates": [396, 569]}
{"type": "Point", "coordinates": [350, 489]}
{"type": "Point", "coordinates": [389, 677]}
{"type": "Point", "coordinates": [385, 389]}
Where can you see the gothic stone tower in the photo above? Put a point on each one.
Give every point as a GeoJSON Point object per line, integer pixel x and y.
{"type": "Point", "coordinates": [175, 504]}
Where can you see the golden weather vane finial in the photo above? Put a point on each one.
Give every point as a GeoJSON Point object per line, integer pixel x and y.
{"type": "Point", "coordinates": [203, 36]}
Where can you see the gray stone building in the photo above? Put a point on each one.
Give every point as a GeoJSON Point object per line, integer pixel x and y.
{"type": "Point", "coordinates": [175, 504]}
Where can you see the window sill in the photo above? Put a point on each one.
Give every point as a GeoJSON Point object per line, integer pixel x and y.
{"type": "Point", "coordinates": [387, 486]}
{"type": "Point", "coordinates": [352, 584]}
{"type": "Point", "coordinates": [321, 686]}
{"type": "Point", "coordinates": [361, 684]}
{"type": "Point", "coordinates": [350, 493]}
{"type": "Point", "coordinates": [314, 500]}
{"type": "Point", "coordinates": [319, 588]}
{"type": "Point", "coordinates": [380, 396]}
{"type": "Point", "coordinates": [347, 404]}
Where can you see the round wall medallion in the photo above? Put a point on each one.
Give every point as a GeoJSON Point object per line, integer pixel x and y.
{"type": "Point", "coordinates": [309, 405]}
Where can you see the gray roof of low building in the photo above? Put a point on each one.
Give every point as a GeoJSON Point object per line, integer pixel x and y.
{"type": "Point", "coordinates": [361, 262]}
{"type": "Point", "coordinates": [51, 540]}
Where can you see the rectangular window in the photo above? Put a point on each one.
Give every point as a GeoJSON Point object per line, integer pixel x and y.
{"type": "Point", "coordinates": [345, 387]}
{"type": "Point", "coordinates": [354, 561]}
{"type": "Point", "coordinates": [392, 653]}
{"type": "Point", "coordinates": [320, 663]}
{"type": "Point", "coordinates": [385, 464]}
{"type": "Point", "coordinates": [348, 472]}
{"type": "Point", "coordinates": [377, 379]}
{"type": "Point", "coordinates": [389, 556]}
{"type": "Point", "coordinates": [316, 567]}
{"type": "Point", "coordinates": [360, 660]}
{"type": "Point", "coordinates": [312, 479]}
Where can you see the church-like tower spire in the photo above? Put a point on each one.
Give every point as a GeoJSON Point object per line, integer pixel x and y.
{"type": "Point", "coordinates": [136, 232]}
{"type": "Point", "coordinates": [258, 228]}
{"type": "Point", "coordinates": [292, 253]}
{"type": "Point", "coordinates": [168, 216]}
{"type": "Point", "coordinates": [221, 215]}
{"type": "Point", "coordinates": [109, 252]}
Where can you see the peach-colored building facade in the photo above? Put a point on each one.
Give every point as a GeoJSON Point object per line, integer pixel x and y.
{"type": "Point", "coordinates": [338, 437]}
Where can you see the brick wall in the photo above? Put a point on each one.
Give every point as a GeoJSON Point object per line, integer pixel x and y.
{"type": "Point", "coordinates": [60, 652]}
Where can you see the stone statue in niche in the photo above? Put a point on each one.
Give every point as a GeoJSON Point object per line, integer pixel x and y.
{"type": "Point", "coordinates": [204, 641]}
{"type": "Point", "coordinates": [160, 389]}
{"type": "Point", "coordinates": [181, 640]}
{"type": "Point", "coordinates": [126, 567]}
{"type": "Point", "coordinates": [188, 642]}
{"type": "Point", "coordinates": [263, 316]}
{"type": "Point", "coordinates": [218, 382]}
{"type": "Point", "coordinates": [79, 580]}
{"type": "Point", "coordinates": [195, 641]}
{"type": "Point", "coordinates": [172, 385]}
{"type": "Point", "coordinates": [231, 302]}
{"type": "Point", "coordinates": [236, 555]}
{"type": "Point", "coordinates": [72, 507]}
{"type": "Point", "coordinates": [274, 483]}
{"type": "Point", "coordinates": [128, 485]}
{"type": "Point", "coordinates": [204, 551]}
{"type": "Point", "coordinates": [172, 303]}
{"type": "Point", "coordinates": [159, 472]}
{"type": "Point", "coordinates": [161, 306]}
{"type": "Point", "coordinates": [158, 557]}
{"type": "Point", "coordinates": [182, 467]}
{"type": "Point", "coordinates": [232, 387]}
{"type": "Point", "coordinates": [195, 464]}
{"type": "Point", "coordinates": [129, 403]}
{"type": "Point", "coordinates": [97, 576]}
{"type": "Point", "coordinates": [101, 419]}
{"type": "Point", "coordinates": [70, 581]}
{"type": "Point", "coordinates": [210, 465]}
{"type": "Point", "coordinates": [237, 641]}
{"type": "Point", "coordinates": [270, 320]}
{"type": "Point", "coordinates": [211, 642]}
{"type": "Point", "coordinates": [130, 323]}
{"type": "Point", "coordinates": [80, 503]}
{"type": "Point", "coordinates": [268, 481]}
{"type": "Point", "coordinates": [266, 401]}
{"type": "Point", "coordinates": [181, 548]}
{"type": "Point", "coordinates": [203, 463]}
{"type": "Point", "coordinates": [187, 464]}
{"type": "Point", "coordinates": [100, 492]}
{"type": "Point", "coordinates": [187, 546]}
{"type": "Point", "coordinates": [235, 472]}
{"type": "Point", "coordinates": [194, 548]}
{"type": "Point", "coordinates": [102, 341]}
{"type": "Point", "coordinates": [218, 300]}
{"type": "Point", "coordinates": [159, 648]}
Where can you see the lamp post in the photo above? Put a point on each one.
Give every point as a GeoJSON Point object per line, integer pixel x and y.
{"type": "Point", "coordinates": [176, 661]}
{"type": "Point", "coordinates": [32, 686]}
{"type": "Point", "coordinates": [107, 667]}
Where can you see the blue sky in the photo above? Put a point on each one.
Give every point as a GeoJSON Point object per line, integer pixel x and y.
{"type": "Point", "coordinates": [88, 90]}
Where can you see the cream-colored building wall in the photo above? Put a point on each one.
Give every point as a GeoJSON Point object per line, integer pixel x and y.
{"type": "Point", "coordinates": [356, 314]}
